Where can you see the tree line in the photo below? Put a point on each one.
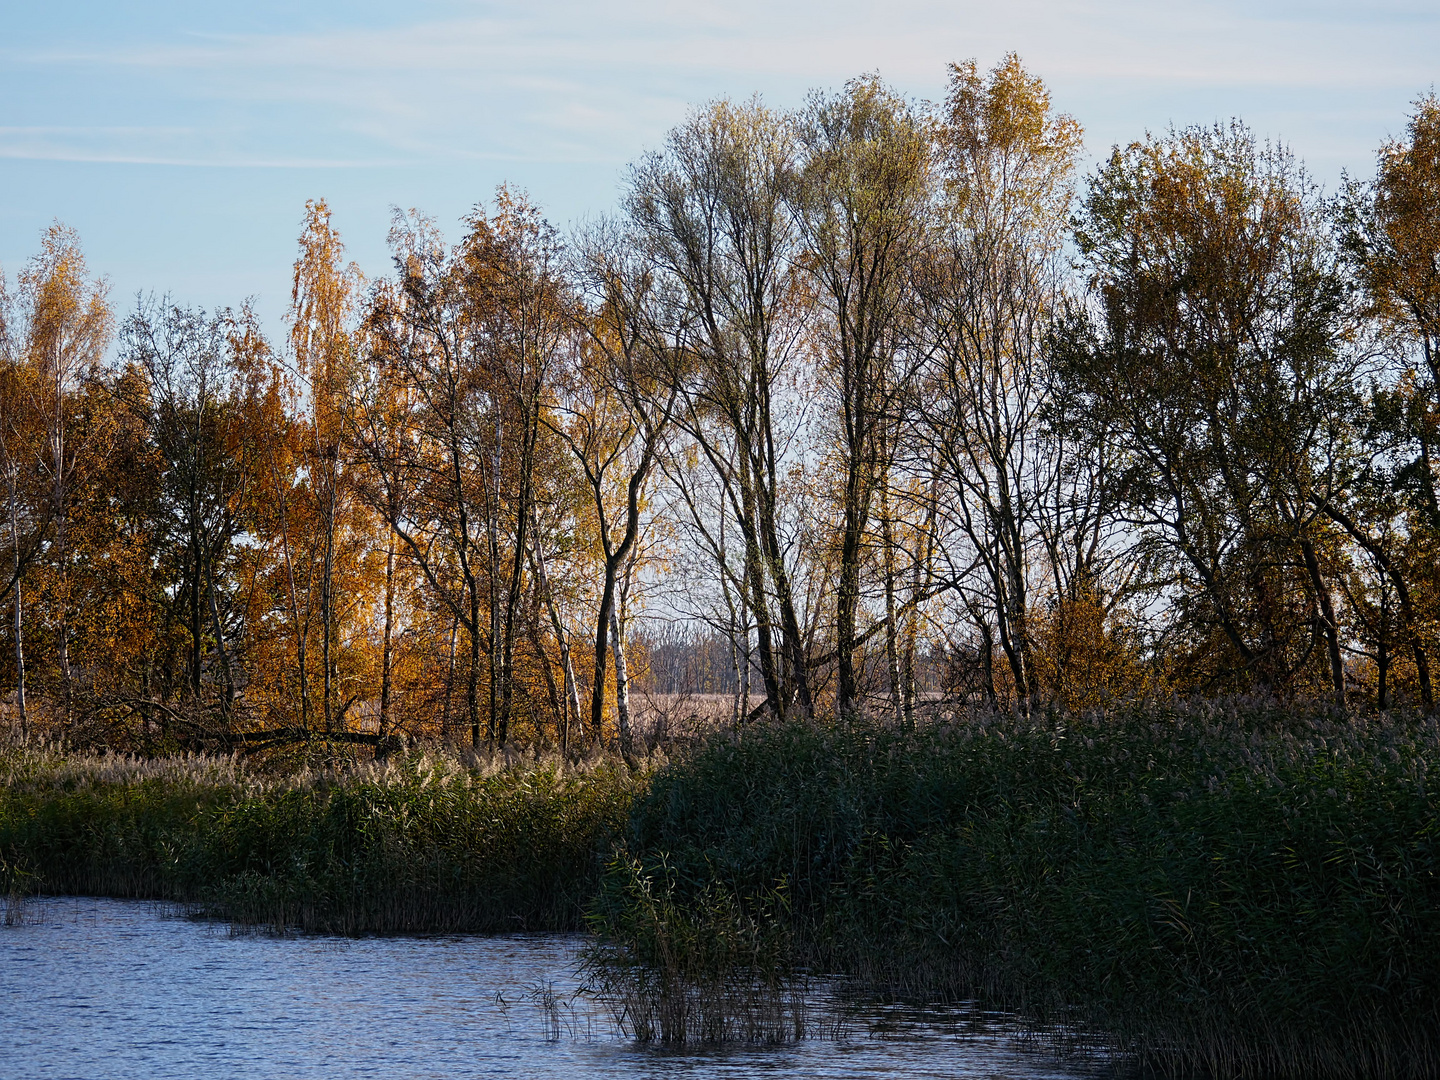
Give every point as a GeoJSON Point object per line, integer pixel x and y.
{"type": "Point", "coordinates": [847, 407]}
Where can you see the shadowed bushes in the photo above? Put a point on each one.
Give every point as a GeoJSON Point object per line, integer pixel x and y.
{"type": "Point", "coordinates": [1230, 888]}
{"type": "Point", "coordinates": [419, 845]}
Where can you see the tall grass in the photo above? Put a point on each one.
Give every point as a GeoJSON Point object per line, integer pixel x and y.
{"type": "Point", "coordinates": [712, 969]}
{"type": "Point", "coordinates": [430, 843]}
{"type": "Point", "coordinates": [1228, 888]}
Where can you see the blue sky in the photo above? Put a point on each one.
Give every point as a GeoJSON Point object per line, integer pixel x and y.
{"type": "Point", "coordinates": [182, 139]}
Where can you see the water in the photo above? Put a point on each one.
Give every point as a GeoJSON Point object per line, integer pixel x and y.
{"type": "Point", "coordinates": [117, 989]}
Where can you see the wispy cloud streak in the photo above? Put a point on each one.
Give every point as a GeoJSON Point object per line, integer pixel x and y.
{"type": "Point", "coordinates": [578, 81]}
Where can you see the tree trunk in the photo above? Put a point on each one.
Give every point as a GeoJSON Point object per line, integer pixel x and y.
{"type": "Point", "coordinates": [746, 674]}
{"type": "Point", "coordinates": [572, 689]}
{"type": "Point", "coordinates": [472, 681]}
{"type": "Point", "coordinates": [622, 676]}
{"type": "Point", "coordinates": [197, 568]}
{"type": "Point", "coordinates": [847, 604]}
{"type": "Point", "coordinates": [302, 627]}
{"type": "Point", "coordinates": [1382, 661]}
{"type": "Point", "coordinates": [1328, 622]}
{"type": "Point", "coordinates": [227, 673]}
{"type": "Point", "coordinates": [387, 649]}
{"type": "Point", "coordinates": [62, 554]}
{"type": "Point", "coordinates": [892, 629]}
{"type": "Point", "coordinates": [19, 606]}
{"type": "Point", "coordinates": [327, 575]}
{"type": "Point", "coordinates": [793, 641]}
{"type": "Point", "coordinates": [493, 652]}
{"type": "Point", "coordinates": [923, 555]}
{"type": "Point", "coordinates": [602, 628]}
{"type": "Point", "coordinates": [765, 642]}
{"type": "Point", "coordinates": [20, 658]}
{"type": "Point", "coordinates": [512, 595]}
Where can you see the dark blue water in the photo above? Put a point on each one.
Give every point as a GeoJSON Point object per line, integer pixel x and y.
{"type": "Point", "coordinates": [117, 989]}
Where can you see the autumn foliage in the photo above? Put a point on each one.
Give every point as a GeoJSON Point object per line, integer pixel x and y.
{"type": "Point", "coordinates": [868, 404]}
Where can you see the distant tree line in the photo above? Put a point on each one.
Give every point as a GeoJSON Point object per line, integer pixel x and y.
{"type": "Point", "coordinates": [846, 408]}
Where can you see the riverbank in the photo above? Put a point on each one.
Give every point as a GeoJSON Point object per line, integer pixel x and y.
{"type": "Point", "coordinates": [429, 844]}
{"type": "Point", "coordinates": [1214, 888]}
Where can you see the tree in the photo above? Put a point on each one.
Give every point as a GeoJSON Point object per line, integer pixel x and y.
{"type": "Point", "coordinates": [322, 303]}
{"type": "Point", "coordinates": [448, 422]}
{"type": "Point", "coordinates": [521, 323]}
{"type": "Point", "coordinates": [65, 322]}
{"type": "Point", "coordinates": [714, 216]}
{"type": "Point", "coordinates": [195, 424]}
{"type": "Point", "coordinates": [613, 412]}
{"type": "Point", "coordinates": [862, 199]}
{"type": "Point", "coordinates": [1391, 232]}
{"type": "Point", "coordinates": [421, 456]}
{"type": "Point", "coordinates": [1219, 372]}
{"type": "Point", "coordinates": [988, 292]}
{"type": "Point", "coordinates": [27, 511]}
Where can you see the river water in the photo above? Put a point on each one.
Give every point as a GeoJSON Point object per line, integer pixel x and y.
{"type": "Point", "coordinates": [112, 989]}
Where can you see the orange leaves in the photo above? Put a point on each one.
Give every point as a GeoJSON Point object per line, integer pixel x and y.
{"type": "Point", "coordinates": [1009, 159]}
{"type": "Point", "coordinates": [65, 315]}
{"type": "Point", "coordinates": [1085, 657]}
{"type": "Point", "coordinates": [1398, 236]}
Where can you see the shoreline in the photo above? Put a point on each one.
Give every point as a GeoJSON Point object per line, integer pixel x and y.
{"type": "Point", "coordinates": [1214, 886]}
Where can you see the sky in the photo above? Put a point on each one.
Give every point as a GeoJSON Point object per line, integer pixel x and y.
{"type": "Point", "coordinates": [182, 139]}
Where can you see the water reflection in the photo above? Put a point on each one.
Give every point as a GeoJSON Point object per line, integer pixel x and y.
{"type": "Point", "coordinates": [120, 989]}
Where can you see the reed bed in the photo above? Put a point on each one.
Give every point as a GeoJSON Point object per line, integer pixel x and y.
{"type": "Point", "coordinates": [711, 969]}
{"type": "Point", "coordinates": [1226, 889]}
{"type": "Point", "coordinates": [430, 843]}
{"type": "Point", "coordinates": [1221, 888]}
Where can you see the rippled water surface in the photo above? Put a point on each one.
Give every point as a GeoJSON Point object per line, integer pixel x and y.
{"type": "Point", "coordinates": [115, 989]}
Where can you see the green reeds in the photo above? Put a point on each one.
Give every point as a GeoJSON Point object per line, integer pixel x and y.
{"type": "Point", "coordinates": [430, 844]}
{"type": "Point", "coordinates": [713, 969]}
{"type": "Point", "coordinates": [1217, 887]}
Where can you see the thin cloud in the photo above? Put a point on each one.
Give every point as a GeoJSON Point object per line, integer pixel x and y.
{"type": "Point", "coordinates": [585, 83]}
{"type": "Point", "coordinates": [1210, 44]}
{"type": "Point", "coordinates": [97, 144]}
